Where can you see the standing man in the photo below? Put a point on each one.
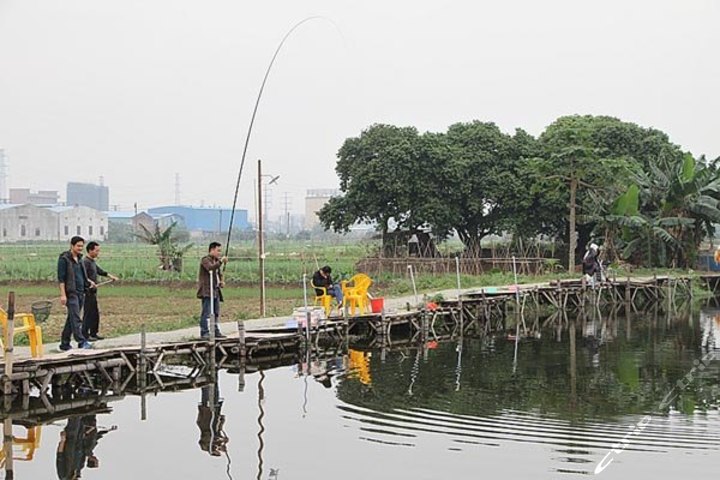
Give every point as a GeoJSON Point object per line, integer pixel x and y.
{"type": "Point", "coordinates": [73, 283]}
{"type": "Point", "coordinates": [91, 313]}
{"type": "Point", "coordinates": [210, 266]}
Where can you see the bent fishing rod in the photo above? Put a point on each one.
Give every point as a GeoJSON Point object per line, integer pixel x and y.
{"type": "Point", "coordinates": [252, 123]}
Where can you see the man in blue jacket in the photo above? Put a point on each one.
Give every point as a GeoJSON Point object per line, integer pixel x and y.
{"type": "Point", "coordinates": [73, 282]}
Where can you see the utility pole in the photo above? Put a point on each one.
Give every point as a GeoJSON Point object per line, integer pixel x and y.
{"type": "Point", "coordinates": [286, 206]}
{"type": "Point", "coordinates": [261, 252]}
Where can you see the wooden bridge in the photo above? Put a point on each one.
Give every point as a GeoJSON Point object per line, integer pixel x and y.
{"type": "Point", "coordinates": [45, 386]}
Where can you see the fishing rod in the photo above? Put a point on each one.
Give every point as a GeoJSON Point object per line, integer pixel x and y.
{"type": "Point", "coordinates": [252, 122]}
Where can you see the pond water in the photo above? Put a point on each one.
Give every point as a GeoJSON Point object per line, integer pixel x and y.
{"type": "Point", "coordinates": [550, 406]}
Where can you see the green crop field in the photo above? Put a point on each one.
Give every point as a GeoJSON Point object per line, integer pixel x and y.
{"type": "Point", "coordinates": [285, 263]}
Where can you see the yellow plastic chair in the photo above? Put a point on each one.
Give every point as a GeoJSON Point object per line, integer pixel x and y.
{"type": "Point", "coordinates": [323, 300]}
{"type": "Point", "coordinates": [27, 445]}
{"type": "Point", "coordinates": [24, 323]}
{"type": "Point", "coordinates": [355, 293]}
{"type": "Point", "coordinates": [360, 366]}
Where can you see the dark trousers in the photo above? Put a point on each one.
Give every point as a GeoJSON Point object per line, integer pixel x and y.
{"type": "Point", "coordinates": [91, 315]}
{"type": "Point", "coordinates": [205, 316]}
{"type": "Point", "coordinates": [73, 322]}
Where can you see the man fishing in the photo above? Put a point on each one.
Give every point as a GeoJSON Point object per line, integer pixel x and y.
{"type": "Point", "coordinates": [591, 263]}
{"type": "Point", "coordinates": [323, 284]}
{"type": "Point", "coordinates": [210, 284]}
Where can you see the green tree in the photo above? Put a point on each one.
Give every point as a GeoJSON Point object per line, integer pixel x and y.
{"type": "Point", "coordinates": [170, 252]}
{"type": "Point", "coordinates": [379, 179]}
{"type": "Point", "coordinates": [583, 154]}
{"type": "Point", "coordinates": [679, 205]}
{"type": "Point", "coordinates": [475, 180]}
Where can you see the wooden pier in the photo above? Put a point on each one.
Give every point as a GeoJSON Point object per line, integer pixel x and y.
{"type": "Point", "coordinates": [45, 385]}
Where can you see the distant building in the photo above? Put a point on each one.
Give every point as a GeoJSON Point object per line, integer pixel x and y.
{"type": "Point", "coordinates": [204, 220]}
{"type": "Point", "coordinates": [19, 196]}
{"type": "Point", "coordinates": [87, 222]}
{"type": "Point", "coordinates": [27, 223]}
{"type": "Point", "coordinates": [31, 223]}
{"type": "Point", "coordinates": [88, 195]}
{"type": "Point", "coordinates": [314, 200]}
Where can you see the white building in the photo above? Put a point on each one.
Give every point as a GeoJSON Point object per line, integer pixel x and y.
{"type": "Point", "coordinates": [87, 222]}
{"type": "Point", "coordinates": [26, 223]}
{"type": "Point", "coordinates": [30, 223]}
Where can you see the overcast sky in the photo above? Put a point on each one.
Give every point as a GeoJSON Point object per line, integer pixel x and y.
{"type": "Point", "coordinates": [136, 90]}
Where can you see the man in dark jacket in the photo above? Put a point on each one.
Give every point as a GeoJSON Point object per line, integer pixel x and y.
{"type": "Point", "coordinates": [210, 265]}
{"type": "Point", "coordinates": [323, 284]}
{"type": "Point", "coordinates": [91, 312]}
{"type": "Point", "coordinates": [73, 283]}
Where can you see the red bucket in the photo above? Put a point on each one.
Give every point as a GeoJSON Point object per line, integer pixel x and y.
{"type": "Point", "coordinates": [377, 305]}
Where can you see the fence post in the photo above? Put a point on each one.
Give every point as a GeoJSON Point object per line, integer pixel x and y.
{"type": "Point", "coordinates": [9, 344]}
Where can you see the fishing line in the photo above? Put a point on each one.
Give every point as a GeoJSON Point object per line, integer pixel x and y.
{"type": "Point", "coordinates": [254, 113]}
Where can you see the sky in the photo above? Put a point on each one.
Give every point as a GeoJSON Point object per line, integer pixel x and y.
{"type": "Point", "coordinates": [138, 91]}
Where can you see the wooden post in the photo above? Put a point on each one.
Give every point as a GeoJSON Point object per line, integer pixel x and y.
{"type": "Point", "coordinates": [627, 290]}
{"type": "Point", "coordinates": [8, 446]}
{"type": "Point", "coordinates": [307, 311]}
{"type": "Point", "coordinates": [142, 374]}
{"type": "Point", "coordinates": [9, 343]}
{"type": "Point", "coordinates": [241, 337]}
{"type": "Point", "coordinates": [241, 354]}
{"type": "Point", "coordinates": [261, 240]}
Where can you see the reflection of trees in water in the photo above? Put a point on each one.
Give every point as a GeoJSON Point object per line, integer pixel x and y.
{"type": "Point", "coordinates": [601, 376]}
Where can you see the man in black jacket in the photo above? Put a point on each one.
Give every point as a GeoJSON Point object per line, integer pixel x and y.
{"type": "Point", "coordinates": [91, 312]}
{"type": "Point", "coordinates": [73, 282]}
{"type": "Point", "coordinates": [323, 284]}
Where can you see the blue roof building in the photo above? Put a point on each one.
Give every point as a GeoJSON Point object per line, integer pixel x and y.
{"type": "Point", "coordinates": [205, 219]}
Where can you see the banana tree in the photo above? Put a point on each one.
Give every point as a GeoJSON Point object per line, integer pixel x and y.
{"type": "Point", "coordinates": [679, 199]}
{"type": "Point", "coordinates": [169, 252]}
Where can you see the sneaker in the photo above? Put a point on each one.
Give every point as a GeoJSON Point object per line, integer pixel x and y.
{"type": "Point", "coordinates": [220, 335]}
{"type": "Point", "coordinates": [95, 338]}
{"type": "Point", "coordinates": [85, 346]}
{"type": "Point", "coordinates": [64, 347]}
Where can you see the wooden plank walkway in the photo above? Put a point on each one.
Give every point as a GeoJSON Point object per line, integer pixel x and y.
{"type": "Point", "coordinates": [142, 369]}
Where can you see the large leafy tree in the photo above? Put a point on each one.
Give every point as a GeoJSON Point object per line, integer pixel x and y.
{"type": "Point", "coordinates": [379, 179]}
{"type": "Point", "coordinates": [591, 154]}
{"type": "Point", "coordinates": [476, 184]}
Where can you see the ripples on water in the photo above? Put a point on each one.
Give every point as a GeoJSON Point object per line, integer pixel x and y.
{"type": "Point", "coordinates": [448, 410]}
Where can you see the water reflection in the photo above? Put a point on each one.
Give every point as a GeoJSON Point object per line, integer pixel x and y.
{"type": "Point", "coordinates": [211, 421]}
{"type": "Point", "coordinates": [76, 448]}
{"type": "Point", "coordinates": [557, 392]}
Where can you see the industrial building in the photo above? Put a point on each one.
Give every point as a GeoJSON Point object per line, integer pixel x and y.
{"type": "Point", "coordinates": [204, 219]}
{"type": "Point", "coordinates": [88, 195]}
{"type": "Point", "coordinates": [31, 223]}
{"type": "Point", "coordinates": [20, 196]}
{"type": "Point", "coordinates": [315, 199]}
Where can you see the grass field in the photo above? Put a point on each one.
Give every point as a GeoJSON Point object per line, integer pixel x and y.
{"type": "Point", "coordinates": [285, 261]}
{"type": "Point", "coordinates": [166, 301]}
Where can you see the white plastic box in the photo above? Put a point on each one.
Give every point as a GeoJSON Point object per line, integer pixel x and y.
{"type": "Point", "coordinates": [316, 315]}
